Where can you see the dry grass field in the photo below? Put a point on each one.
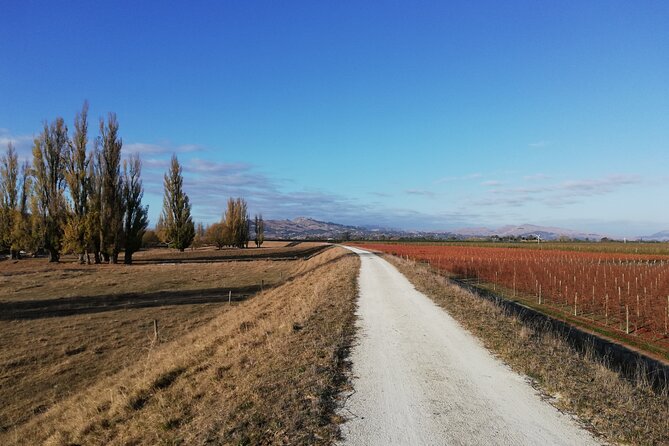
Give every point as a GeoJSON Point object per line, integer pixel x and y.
{"type": "Point", "coordinates": [155, 271]}
{"type": "Point", "coordinates": [79, 362]}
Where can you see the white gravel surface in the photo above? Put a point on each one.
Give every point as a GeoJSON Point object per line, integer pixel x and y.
{"type": "Point", "coordinates": [421, 379]}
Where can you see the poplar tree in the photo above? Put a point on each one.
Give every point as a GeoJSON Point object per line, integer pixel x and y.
{"type": "Point", "coordinates": [200, 233]}
{"type": "Point", "coordinates": [236, 220]}
{"type": "Point", "coordinates": [78, 183]}
{"type": "Point", "coordinates": [246, 229]}
{"type": "Point", "coordinates": [21, 230]}
{"type": "Point", "coordinates": [94, 205]}
{"type": "Point", "coordinates": [136, 216]}
{"type": "Point", "coordinates": [49, 173]}
{"type": "Point", "coordinates": [179, 228]}
{"type": "Point", "coordinates": [260, 230]}
{"type": "Point", "coordinates": [9, 177]}
{"type": "Point", "coordinates": [161, 230]}
{"type": "Point", "coordinates": [111, 209]}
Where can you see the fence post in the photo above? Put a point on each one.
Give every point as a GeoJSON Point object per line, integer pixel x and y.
{"type": "Point", "coordinates": [666, 315]}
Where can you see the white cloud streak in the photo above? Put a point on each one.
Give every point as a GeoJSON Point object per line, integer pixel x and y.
{"type": "Point", "coordinates": [559, 194]}
{"type": "Point", "coordinates": [159, 149]}
{"type": "Point", "coordinates": [421, 193]}
{"type": "Point", "coordinates": [473, 176]}
{"type": "Point", "coordinates": [539, 144]}
{"type": "Point", "coordinates": [22, 143]}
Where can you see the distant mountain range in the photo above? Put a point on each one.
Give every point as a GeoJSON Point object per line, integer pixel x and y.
{"type": "Point", "coordinates": [544, 232]}
{"type": "Point", "coordinates": [303, 228]}
{"type": "Point", "coordinates": [662, 236]}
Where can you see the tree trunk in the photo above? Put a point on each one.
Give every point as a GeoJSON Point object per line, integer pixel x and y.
{"type": "Point", "coordinates": [98, 260]}
{"type": "Point", "coordinates": [54, 256]}
{"type": "Point", "coordinates": [127, 257]}
{"type": "Point", "coordinates": [181, 249]}
{"type": "Point", "coordinates": [114, 258]}
{"type": "Point", "coordinates": [82, 259]}
{"type": "Point", "coordinates": [105, 257]}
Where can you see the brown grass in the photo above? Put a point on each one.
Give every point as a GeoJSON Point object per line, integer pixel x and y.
{"type": "Point", "coordinates": [620, 411]}
{"type": "Point", "coordinates": [32, 279]}
{"type": "Point", "coordinates": [44, 359]}
{"type": "Point", "coordinates": [209, 253]}
{"type": "Point", "coordinates": [262, 371]}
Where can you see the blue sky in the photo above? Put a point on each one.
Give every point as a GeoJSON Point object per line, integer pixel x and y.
{"type": "Point", "coordinates": [419, 115]}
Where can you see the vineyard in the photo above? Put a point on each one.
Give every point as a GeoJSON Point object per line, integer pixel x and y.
{"type": "Point", "coordinates": [623, 294]}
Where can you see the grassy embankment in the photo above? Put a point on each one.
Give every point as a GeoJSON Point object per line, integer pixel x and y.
{"type": "Point", "coordinates": [262, 370]}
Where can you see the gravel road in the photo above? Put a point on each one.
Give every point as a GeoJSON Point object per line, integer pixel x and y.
{"type": "Point", "coordinates": [421, 379]}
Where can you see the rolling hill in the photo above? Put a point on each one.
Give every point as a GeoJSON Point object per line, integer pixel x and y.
{"type": "Point", "coordinates": [303, 228]}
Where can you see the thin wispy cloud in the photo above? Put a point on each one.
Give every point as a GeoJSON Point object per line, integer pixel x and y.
{"type": "Point", "coordinates": [599, 186]}
{"type": "Point", "coordinates": [155, 163]}
{"type": "Point", "coordinates": [537, 177]}
{"type": "Point", "coordinates": [159, 149]}
{"type": "Point", "coordinates": [503, 201]}
{"type": "Point", "coordinates": [520, 190]}
{"type": "Point", "coordinates": [22, 143]}
{"type": "Point", "coordinates": [210, 184]}
{"type": "Point", "coordinates": [204, 166]}
{"type": "Point", "coordinates": [539, 144]}
{"type": "Point", "coordinates": [559, 194]}
{"type": "Point", "coordinates": [473, 176]}
{"type": "Point", "coordinates": [420, 192]}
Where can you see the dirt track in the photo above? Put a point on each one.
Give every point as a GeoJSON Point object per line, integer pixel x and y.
{"type": "Point", "coordinates": [420, 378]}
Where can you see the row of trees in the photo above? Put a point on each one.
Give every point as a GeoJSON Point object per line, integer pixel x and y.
{"type": "Point", "coordinates": [71, 199]}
